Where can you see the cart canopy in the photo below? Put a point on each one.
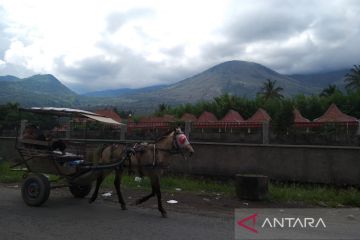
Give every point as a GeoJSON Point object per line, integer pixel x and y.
{"type": "Point", "coordinates": [70, 112]}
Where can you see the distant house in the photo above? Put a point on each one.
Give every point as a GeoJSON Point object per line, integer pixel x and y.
{"type": "Point", "coordinates": [232, 116]}
{"type": "Point", "coordinates": [333, 114]}
{"type": "Point", "coordinates": [109, 113]}
{"type": "Point", "coordinates": [259, 116]}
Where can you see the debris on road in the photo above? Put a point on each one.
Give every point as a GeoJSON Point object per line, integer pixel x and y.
{"type": "Point", "coordinates": [138, 179]}
{"type": "Point", "coordinates": [178, 189]}
{"type": "Point", "coordinates": [108, 194]}
{"type": "Point", "coordinates": [172, 201]}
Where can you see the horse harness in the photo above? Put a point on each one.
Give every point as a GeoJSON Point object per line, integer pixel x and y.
{"type": "Point", "coordinates": [141, 147]}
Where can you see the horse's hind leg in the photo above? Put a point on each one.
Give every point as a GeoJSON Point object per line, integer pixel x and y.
{"type": "Point", "coordinates": [143, 199]}
{"type": "Point", "coordinates": [99, 180]}
{"type": "Point", "coordinates": [117, 183]}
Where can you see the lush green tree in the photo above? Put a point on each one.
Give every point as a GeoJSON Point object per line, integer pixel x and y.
{"type": "Point", "coordinates": [352, 79]}
{"type": "Point", "coordinates": [162, 109]}
{"type": "Point", "coordinates": [269, 90]}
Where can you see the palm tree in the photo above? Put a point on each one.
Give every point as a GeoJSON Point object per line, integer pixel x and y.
{"type": "Point", "coordinates": [329, 91]}
{"type": "Point", "coordinates": [352, 79]}
{"type": "Point", "coordinates": [270, 91]}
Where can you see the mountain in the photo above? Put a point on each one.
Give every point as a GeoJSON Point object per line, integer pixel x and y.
{"type": "Point", "coordinates": [8, 78]}
{"type": "Point", "coordinates": [38, 90]}
{"type": "Point", "coordinates": [322, 80]}
{"type": "Point", "coordinates": [123, 91]}
{"type": "Point", "coordinates": [235, 77]}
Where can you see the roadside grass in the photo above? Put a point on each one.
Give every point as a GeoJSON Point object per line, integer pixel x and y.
{"type": "Point", "coordinates": [319, 195]}
{"type": "Point", "coordinates": [310, 194]}
{"type": "Point", "coordinates": [171, 183]}
{"type": "Point", "coordinates": [8, 176]}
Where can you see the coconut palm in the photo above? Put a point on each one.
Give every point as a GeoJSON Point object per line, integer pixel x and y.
{"type": "Point", "coordinates": [269, 90]}
{"type": "Point", "coordinates": [329, 91]}
{"type": "Point", "coordinates": [352, 79]}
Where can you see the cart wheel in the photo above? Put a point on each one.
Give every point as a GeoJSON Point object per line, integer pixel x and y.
{"type": "Point", "coordinates": [35, 190]}
{"type": "Point", "coordinates": [80, 191]}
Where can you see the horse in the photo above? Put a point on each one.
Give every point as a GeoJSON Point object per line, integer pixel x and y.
{"type": "Point", "coordinates": [148, 160]}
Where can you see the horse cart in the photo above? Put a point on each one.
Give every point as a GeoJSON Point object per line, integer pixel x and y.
{"type": "Point", "coordinates": [54, 151]}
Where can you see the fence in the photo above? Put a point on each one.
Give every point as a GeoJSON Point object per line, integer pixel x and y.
{"type": "Point", "coordinates": [340, 133]}
{"type": "Point", "coordinates": [306, 164]}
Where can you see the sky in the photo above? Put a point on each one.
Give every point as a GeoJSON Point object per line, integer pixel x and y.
{"type": "Point", "coordinates": [94, 45]}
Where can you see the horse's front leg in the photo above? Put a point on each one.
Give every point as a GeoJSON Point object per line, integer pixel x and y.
{"type": "Point", "coordinates": [117, 183]}
{"type": "Point", "coordinates": [155, 183]}
{"type": "Point", "coordinates": [99, 180]}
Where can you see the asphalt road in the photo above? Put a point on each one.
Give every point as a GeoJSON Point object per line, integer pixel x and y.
{"type": "Point", "coordinates": [63, 217]}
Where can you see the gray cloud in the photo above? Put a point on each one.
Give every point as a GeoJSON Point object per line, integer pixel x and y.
{"type": "Point", "coordinates": [288, 36]}
{"type": "Point", "coordinates": [331, 28]}
{"type": "Point", "coordinates": [116, 20]}
{"type": "Point", "coordinates": [4, 36]}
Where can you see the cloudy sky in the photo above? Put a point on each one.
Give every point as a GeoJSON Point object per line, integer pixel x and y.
{"type": "Point", "coordinates": [94, 45]}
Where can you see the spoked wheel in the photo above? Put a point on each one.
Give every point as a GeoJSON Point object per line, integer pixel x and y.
{"type": "Point", "coordinates": [35, 190]}
{"type": "Point", "coordinates": [80, 191]}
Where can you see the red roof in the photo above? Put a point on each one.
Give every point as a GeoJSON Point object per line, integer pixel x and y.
{"type": "Point", "coordinates": [260, 116]}
{"type": "Point", "coordinates": [232, 116]}
{"type": "Point", "coordinates": [165, 118]}
{"type": "Point", "coordinates": [298, 118]}
{"type": "Point", "coordinates": [109, 113]}
{"type": "Point", "coordinates": [188, 117]}
{"type": "Point", "coordinates": [207, 117]}
{"type": "Point", "coordinates": [333, 114]}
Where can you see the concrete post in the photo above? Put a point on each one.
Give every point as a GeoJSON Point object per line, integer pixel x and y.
{"type": "Point", "coordinates": [23, 124]}
{"type": "Point", "coordinates": [265, 132]}
{"type": "Point", "coordinates": [123, 129]}
{"type": "Point", "coordinates": [187, 128]}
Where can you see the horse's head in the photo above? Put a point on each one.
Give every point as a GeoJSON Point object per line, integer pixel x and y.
{"type": "Point", "coordinates": [181, 142]}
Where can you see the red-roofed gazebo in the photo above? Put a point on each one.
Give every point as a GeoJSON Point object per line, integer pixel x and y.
{"type": "Point", "coordinates": [298, 118]}
{"type": "Point", "coordinates": [260, 116]}
{"type": "Point", "coordinates": [333, 114]}
{"type": "Point", "coordinates": [232, 116]}
{"type": "Point", "coordinates": [187, 117]}
{"type": "Point", "coordinates": [207, 117]}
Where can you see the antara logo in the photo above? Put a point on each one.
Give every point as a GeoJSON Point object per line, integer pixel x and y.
{"type": "Point", "coordinates": [288, 222]}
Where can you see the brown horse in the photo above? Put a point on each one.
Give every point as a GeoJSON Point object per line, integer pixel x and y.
{"type": "Point", "coordinates": [147, 160]}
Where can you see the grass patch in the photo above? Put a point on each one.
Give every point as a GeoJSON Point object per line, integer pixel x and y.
{"type": "Point", "coordinates": [326, 196]}
{"type": "Point", "coordinates": [8, 176]}
{"type": "Point", "coordinates": [170, 183]}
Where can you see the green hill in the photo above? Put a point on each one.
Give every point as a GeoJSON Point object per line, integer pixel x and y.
{"type": "Point", "coordinates": [38, 90]}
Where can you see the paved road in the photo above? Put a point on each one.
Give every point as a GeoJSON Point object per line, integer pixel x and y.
{"type": "Point", "coordinates": [63, 217]}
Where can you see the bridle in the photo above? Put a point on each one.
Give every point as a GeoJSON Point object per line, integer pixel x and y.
{"type": "Point", "coordinates": [175, 148]}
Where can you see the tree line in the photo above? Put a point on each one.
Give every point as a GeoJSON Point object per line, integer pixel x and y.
{"type": "Point", "coordinates": [280, 108]}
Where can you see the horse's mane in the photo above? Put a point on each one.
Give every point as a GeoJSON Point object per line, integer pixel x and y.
{"type": "Point", "coordinates": [165, 135]}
